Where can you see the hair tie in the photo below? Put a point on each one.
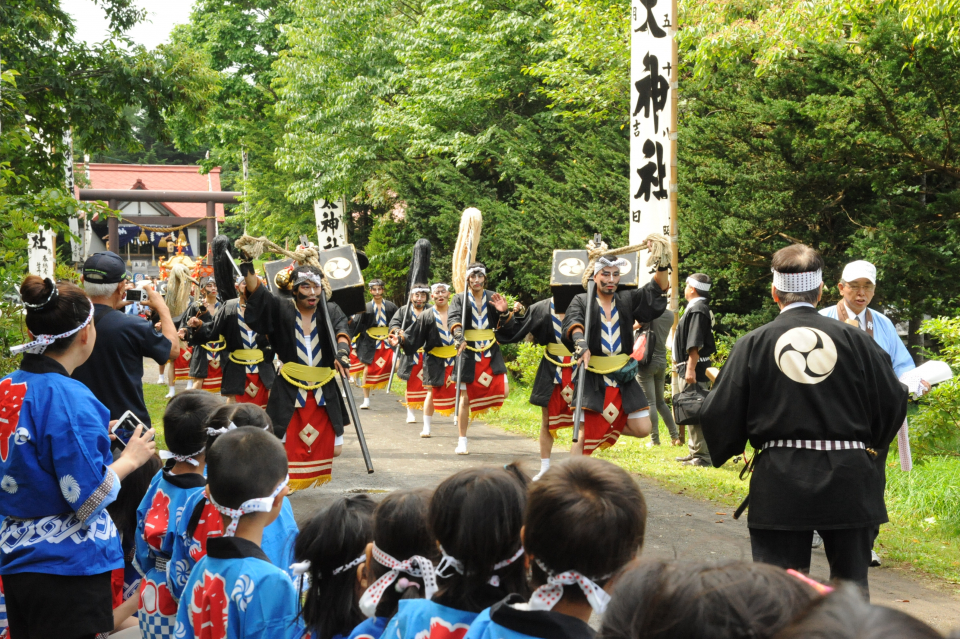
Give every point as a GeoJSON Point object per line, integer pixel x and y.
{"type": "Point", "coordinates": [213, 432]}
{"type": "Point", "coordinates": [546, 596]}
{"type": "Point", "coordinates": [54, 294]}
{"type": "Point", "coordinates": [255, 505]}
{"type": "Point", "coordinates": [403, 583]}
{"type": "Point", "coordinates": [41, 342]}
{"type": "Point", "coordinates": [166, 454]}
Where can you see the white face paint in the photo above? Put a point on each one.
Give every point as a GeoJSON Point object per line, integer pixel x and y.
{"type": "Point", "coordinates": [806, 355]}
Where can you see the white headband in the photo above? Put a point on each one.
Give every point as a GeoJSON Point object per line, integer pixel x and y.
{"type": "Point", "coordinates": [603, 262]}
{"type": "Point", "coordinates": [433, 289]}
{"type": "Point", "coordinates": [415, 566]}
{"type": "Point", "coordinates": [797, 282]}
{"type": "Point", "coordinates": [255, 505]}
{"type": "Point", "coordinates": [419, 289]}
{"type": "Point", "coordinates": [700, 286]}
{"type": "Point", "coordinates": [476, 269]}
{"type": "Point", "coordinates": [220, 431]}
{"type": "Point", "coordinates": [41, 342]}
{"type": "Point", "coordinates": [450, 562]}
{"type": "Point", "coordinates": [546, 596]}
{"type": "Point", "coordinates": [53, 294]}
{"type": "Point", "coordinates": [307, 276]}
{"type": "Point", "coordinates": [302, 567]}
{"type": "Point", "coordinates": [166, 454]}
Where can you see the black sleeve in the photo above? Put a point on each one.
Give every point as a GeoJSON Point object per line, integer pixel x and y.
{"type": "Point", "coordinates": [890, 396]}
{"type": "Point", "coordinates": [516, 330]}
{"type": "Point", "coordinates": [262, 312]}
{"type": "Point", "coordinates": [339, 322]}
{"type": "Point", "coordinates": [574, 318]}
{"type": "Point", "coordinates": [391, 311]}
{"type": "Point", "coordinates": [210, 330]}
{"type": "Point", "coordinates": [455, 314]}
{"type": "Point", "coordinates": [154, 344]}
{"type": "Point", "coordinates": [187, 314]}
{"type": "Point", "coordinates": [723, 418]}
{"type": "Point", "coordinates": [648, 302]}
{"type": "Point", "coordinates": [396, 321]}
{"type": "Point", "coordinates": [695, 335]}
{"type": "Point", "coordinates": [417, 333]}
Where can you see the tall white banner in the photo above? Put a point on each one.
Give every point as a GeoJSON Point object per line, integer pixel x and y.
{"type": "Point", "coordinates": [653, 82]}
{"type": "Point", "coordinates": [76, 249]}
{"type": "Point", "coordinates": [41, 258]}
{"type": "Point", "coordinates": [331, 226]}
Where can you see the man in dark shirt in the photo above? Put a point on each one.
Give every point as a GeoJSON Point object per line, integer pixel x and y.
{"type": "Point", "coordinates": [114, 372]}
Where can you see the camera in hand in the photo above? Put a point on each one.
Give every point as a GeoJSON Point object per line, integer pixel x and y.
{"type": "Point", "coordinates": [137, 295]}
{"type": "Point", "coordinates": [126, 426]}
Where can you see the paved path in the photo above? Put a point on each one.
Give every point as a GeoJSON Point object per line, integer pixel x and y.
{"type": "Point", "coordinates": [678, 526]}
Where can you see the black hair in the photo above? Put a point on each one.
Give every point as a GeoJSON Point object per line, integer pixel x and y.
{"type": "Point", "coordinates": [58, 312]}
{"type": "Point", "coordinates": [243, 464]}
{"type": "Point", "coordinates": [476, 516]}
{"type": "Point", "coordinates": [123, 511]}
{"type": "Point", "coordinates": [239, 415]}
{"type": "Point", "coordinates": [334, 537]}
{"type": "Point", "coordinates": [697, 600]}
{"type": "Point", "coordinates": [703, 278]}
{"type": "Point", "coordinates": [587, 515]}
{"type": "Point", "coordinates": [797, 258]}
{"type": "Point", "coordinates": [375, 282]}
{"type": "Point", "coordinates": [844, 614]}
{"type": "Point", "coordinates": [400, 529]}
{"type": "Point", "coordinates": [185, 421]}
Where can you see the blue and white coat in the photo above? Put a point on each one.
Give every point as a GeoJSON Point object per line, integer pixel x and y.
{"type": "Point", "coordinates": [425, 619]}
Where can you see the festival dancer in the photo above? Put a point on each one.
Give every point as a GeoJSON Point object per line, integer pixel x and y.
{"type": "Point", "coordinates": [177, 295]}
{"type": "Point", "coordinates": [307, 410]}
{"type": "Point", "coordinates": [206, 369]}
{"type": "Point", "coordinates": [371, 328]}
{"type": "Point", "coordinates": [484, 374]}
{"type": "Point", "coordinates": [410, 367]}
{"type": "Point", "coordinates": [429, 335]}
{"type": "Point", "coordinates": [248, 372]}
{"type": "Point", "coordinates": [553, 386]}
{"type": "Point", "coordinates": [613, 401]}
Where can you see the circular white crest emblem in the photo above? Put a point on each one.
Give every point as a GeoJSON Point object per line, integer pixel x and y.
{"type": "Point", "coordinates": [806, 355]}
{"type": "Point", "coordinates": [571, 266]}
{"type": "Point", "coordinates": [337, 268]}
{"type": "Point", "coordinates": [626, 266]}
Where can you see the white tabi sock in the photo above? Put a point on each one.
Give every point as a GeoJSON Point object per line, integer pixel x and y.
{"type": "Point", "coordinates": [427, 420]}
{"type": "Point", "coordinates": [411, 416]}
{"type": "Point", "coordinates": [544, 465]}
{"type": "Point", "coordinates": [462, 442]}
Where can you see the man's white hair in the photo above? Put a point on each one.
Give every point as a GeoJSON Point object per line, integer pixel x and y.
{"type": "Point", "coordinates": [94, 289]}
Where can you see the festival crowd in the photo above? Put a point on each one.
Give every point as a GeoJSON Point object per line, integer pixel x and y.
{"type": "Point", "coordinates": [105, 534]}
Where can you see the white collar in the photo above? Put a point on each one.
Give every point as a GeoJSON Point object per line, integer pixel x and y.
{"type": "Point", "coordinates": [696, 300]}
{"type": "Point", "coordinates": [796, 305]}
{"type": "Point", "coordinates": [850, 313]}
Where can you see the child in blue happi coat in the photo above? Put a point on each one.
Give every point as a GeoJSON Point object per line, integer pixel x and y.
{"type": "Point", "coordinates": [234, 591]}
{"type": "Point", "coordinates": [330, 553]}
{"type": "Point", "coordinates": [201, 521]}
{"type": "Point", "coordinates": [584, 523]}
{"type": "Point", "coordinates": [400, 560]}
{"type": "Point", "coordinates": [184, 427]}
{"type": "Point", "coordinates": [476, 516]}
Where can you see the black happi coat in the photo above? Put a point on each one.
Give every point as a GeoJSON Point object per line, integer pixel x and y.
{"type": "Point", "coordinates": [642, 304]}
{"type": "Point", "coordinates": [424, 334]}
{"type": "Point", "coordinates": [226, 323]}
{"type": "Point", "coordinates": [772, 389]}
{"type": "Point", "coordinates": [365, 345]}
{"type": "Point", "coordinates": [405, 365]}
{"type": "Point", "coordinates": [495, 321]}
{"type": "Point", "coordinates": [199, 365]}
{"type": "Point", "coordinates": [276, 318]}
{"type": "Point", "coordinates": [537, 322]}
{"type": "Point", "coordinates": [695, 330]}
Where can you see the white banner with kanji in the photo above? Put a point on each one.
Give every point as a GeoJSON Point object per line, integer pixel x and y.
{"type": "Point", "coordinates": [41, 258]}
{"type": "Point", "coordinates": [652, 93]}
{"type": "Point", "coordinates": [331, 225]}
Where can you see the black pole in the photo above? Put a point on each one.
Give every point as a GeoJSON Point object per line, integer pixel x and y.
{"type": "Point", "coordinates": [396, 351]}
{"type": "Point", "coordinates": [354, 413]}
{"type": "Point", "coordinates": [581, 368]}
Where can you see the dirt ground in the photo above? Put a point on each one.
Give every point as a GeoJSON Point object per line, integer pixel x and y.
{"type": "Point", "coordinates": [677, 526]}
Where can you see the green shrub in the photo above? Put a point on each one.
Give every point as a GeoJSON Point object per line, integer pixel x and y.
{"type": "Point", "coordinates": [935, 429]}
{"type": "Point", "coordinates": [525, 362]}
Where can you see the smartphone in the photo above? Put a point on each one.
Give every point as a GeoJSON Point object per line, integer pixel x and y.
{"type": "Point", "coordinates": [137, 295]}
{"type": "Point", "coordinates": [126, 426]}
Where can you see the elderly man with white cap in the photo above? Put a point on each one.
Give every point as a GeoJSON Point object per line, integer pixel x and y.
{"type": "Point", "coordinates": [858, 284]}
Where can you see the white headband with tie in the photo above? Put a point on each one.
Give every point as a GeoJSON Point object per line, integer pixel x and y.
{"type": "Point", "coordinates": [255, 505]}
{"type": "Point", "coordinates": [797, 282]}
{"type": "Point", "coordinates": [476, 269]}
{"type": "Point", "coordinates": [548, 595]}
{"type": "Point", "coordinates": [700, 286]}
{"type": "Point", "coordinates": [603, 262]}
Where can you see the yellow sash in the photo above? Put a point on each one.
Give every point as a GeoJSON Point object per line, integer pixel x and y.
{"type": "Point", "coordinates": [558, 350]}
{"type": "Point", "coordinates": [216, 349]}
{"type": "Point", "coordinates": [604, 364]}
{"type": "Point", "coordinates": [479, 335]}
{"type": "Point", "coordinates": [378, 332]}
{"type": "Point", "coordinates": [246, 356]}
{"type": "Point", "coordinates": [291, 371]}
{"type": "Point", "coordinates": [444, 352]}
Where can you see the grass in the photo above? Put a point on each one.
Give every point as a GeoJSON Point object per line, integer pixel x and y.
{"type": "Point", "coordinates": [153, 395]}
{"type": "Point", "coordinates": [924, 530]}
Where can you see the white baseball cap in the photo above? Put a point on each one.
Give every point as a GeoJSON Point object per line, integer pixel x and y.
{"type": "Point", "coordinates": [859, 269]}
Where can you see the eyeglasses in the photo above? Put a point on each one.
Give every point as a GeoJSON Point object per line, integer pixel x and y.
{"type": "Point", "coordinates": [857, 288]}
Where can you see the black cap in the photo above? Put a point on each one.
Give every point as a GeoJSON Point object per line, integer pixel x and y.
{"type": "Point", "coordinates": [105, 268]}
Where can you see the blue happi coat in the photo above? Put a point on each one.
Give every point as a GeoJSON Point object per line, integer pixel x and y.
{"type": "Point", "coordinates": [54, 477]}
{"type": "Point", "coordinates": [512, 619]}
{"type": "Point", "coordinates": [425, 619]}
{"type": "Point", "coordinates": [235, 592]}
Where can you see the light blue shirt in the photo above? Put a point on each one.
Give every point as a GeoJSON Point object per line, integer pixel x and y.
{"type": "Point", "coordinates": [885, 334]}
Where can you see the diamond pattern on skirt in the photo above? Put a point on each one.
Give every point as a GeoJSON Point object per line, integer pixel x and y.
{"type": "Point", "coordinates": [610, 413]}
{"type": "Point", "coordinates": [252, 389]}
{"type": "Point", "coordinates": [485, 378]}
{"type": "Point", "coordinates": [309, 435]}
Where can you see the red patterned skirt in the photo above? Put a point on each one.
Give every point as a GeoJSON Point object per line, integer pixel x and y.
{"type": "Point", "coordinates": [214, 375]}
{"type": "Point", "coordinates": [559, 411]}
{"type": "Point", "coordinates": [356, 368]}
{"type": "Point", "coordinates": [255, 392]}
{"type": "Point", "coordinates": [377, 374]}
{"type": "Point", "coordinates": [487, 391]}
{"type": "Point", "coordinates": [416, 391]}
{"type": "Point", "coordinates": [181, 365]}
{"type": "Point", "coordinates": [444, 396]}
{"type": "Point", "coordinates": [602, 430]}
{"type": "Point", "coordinates": [309, 445]}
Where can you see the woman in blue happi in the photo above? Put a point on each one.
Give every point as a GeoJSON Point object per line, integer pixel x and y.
{"type": "Point", "coordinates": [58, 545]}
{"type": "Point", "coordinates": [476, 516]}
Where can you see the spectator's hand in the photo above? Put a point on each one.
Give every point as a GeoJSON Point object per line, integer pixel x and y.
{"type": "Point", "coordinates": [194, 322]}
{"type": "Point", "coordinates": [156, 327]}
{"type": "Point", "coordinates": [924, 388]}
{"type": "Point", "coordinates": [140, 449]}
{"type": "Point", "coordinates": [690, 376]}
{"type": "Point", "coordinates": [154, 299]}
